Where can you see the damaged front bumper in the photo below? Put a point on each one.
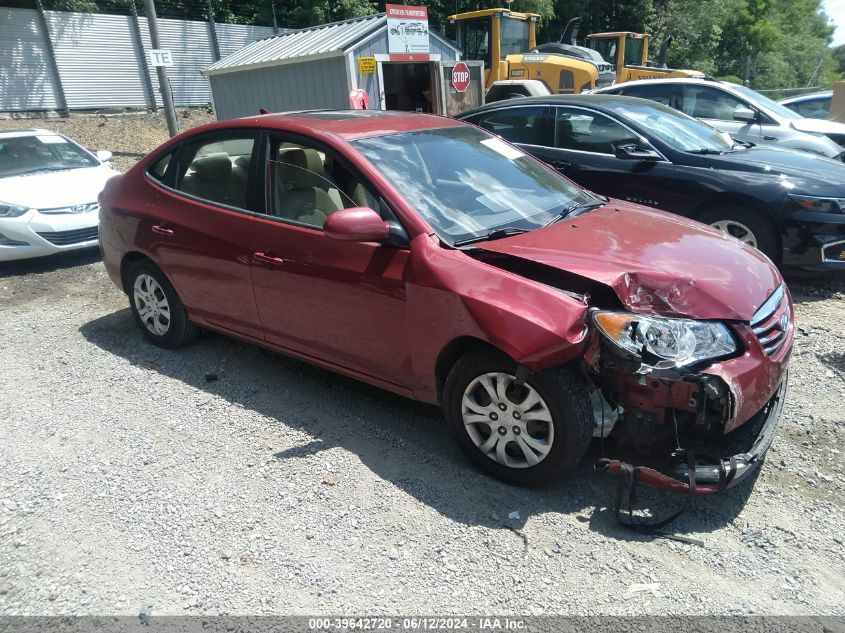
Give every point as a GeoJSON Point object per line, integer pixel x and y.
{"type": "Point", "coordinates": [713, 475]}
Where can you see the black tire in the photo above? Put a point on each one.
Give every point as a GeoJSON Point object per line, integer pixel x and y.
{"type": "Point", "coordinates": [566, 397]}
{"type": "Point", "coordinates": [179, 329]}
{"type": "Point", "coordinates": [764, 233]}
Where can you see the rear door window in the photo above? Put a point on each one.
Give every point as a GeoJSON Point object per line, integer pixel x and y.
{"type": "Point", "coordinates": [216, 168]}
{"type": "Point", "coordinates": [529, 125]}
{"type": "Point", "coordinates": [663, 92]}
{"type": "Point", "coordinates": [705, 102]}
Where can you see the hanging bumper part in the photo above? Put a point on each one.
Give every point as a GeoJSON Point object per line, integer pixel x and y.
{"type": "Point", "coordinates": [715, 474]}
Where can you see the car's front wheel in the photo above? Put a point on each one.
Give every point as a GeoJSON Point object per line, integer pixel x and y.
{"type": "Point", "coordinates": [747, 226]}
{"type": "Point", "coordinates": [528, 434]}
{"type": "Point", "coordinates": [156, 306]}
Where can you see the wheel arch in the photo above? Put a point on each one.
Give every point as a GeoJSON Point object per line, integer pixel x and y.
{"type": "Point", "coordinates": [748, 202]}
{"type": "Point", "coordinates": [452, 352]}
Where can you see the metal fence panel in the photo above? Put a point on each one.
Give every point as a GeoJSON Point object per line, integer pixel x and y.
{"type": "Point", "coordinates": [26, 82]}
{"type": "Point", "coordinates": [97, 59]}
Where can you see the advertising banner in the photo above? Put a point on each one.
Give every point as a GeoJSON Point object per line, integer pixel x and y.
{"type": "Point", "coordinates": [407, 30]}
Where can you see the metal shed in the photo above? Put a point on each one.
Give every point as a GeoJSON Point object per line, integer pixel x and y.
{"type": "Point", "coordinates": [317, 67]}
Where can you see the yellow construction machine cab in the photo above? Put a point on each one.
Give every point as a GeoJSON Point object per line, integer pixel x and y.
{"type": "Point", "coordinates": [628, 52]}
{"type": "Point", "coordinates": [502, 39]}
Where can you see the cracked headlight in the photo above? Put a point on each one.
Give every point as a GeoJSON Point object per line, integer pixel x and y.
{"type": "Point", "coordinates": [815, 203]}
{"type": "Point", "coordinates": [11, 210]}
{"type": "Point", "coordinates": [679, 341]}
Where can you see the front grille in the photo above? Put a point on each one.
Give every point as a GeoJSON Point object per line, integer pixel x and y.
{"type": "Point", "coordinates": [66, 238]}
{"type": "Point", "coordinates": [771, 323]}
{"type": "Point", "coordinates": [75, 209]}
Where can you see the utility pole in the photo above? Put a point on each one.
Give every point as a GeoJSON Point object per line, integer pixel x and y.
{"type": "Point", "coordinates": [275, 21]}
{"type": "Point", "coordinates": [215, 47]}
{"type": "Point", "coordinates": [163, 83]}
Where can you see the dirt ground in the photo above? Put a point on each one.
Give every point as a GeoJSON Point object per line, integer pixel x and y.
{"type": "Point", "coordinates": [127, 478]}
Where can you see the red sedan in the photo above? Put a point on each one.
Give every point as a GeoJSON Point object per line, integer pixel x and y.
{"type": "Point", "coordinates": [430, 258]}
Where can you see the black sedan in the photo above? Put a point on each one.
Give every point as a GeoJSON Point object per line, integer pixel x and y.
{"type": "Point", "coordinates": [790, 205]}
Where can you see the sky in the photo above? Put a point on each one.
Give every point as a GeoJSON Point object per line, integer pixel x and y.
{"type": "Point", "coordinates": [835, 10]}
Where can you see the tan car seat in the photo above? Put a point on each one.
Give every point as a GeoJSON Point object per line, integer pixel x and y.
{"type": "Point", "coordinates": [210, 178]}
{"type": "Point", "coordinates": [301, 191]}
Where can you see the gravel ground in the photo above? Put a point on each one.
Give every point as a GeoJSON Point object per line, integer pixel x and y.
{"type": "Point", "coordinates": [126, 478]}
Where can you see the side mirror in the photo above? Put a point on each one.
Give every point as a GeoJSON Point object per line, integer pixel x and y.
{"type": "Point", "coordinates": [745, 114]}
{"type": "Point", "coordinates": [103, 155]}
{"type": "Point", "coordinates": [635, 152]}
{"type": "Point", "coordinates": [358, 224]}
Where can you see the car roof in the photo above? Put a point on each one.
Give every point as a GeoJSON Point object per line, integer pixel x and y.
{"type": "Point", "coordinates": [598, 101]}
{"type": "Point", "coordinates": [813, 95]}
{"type": "Point", "coordinates": [676, 80]}
{"type": "Point", "coordinates": [28, 131]}
{"type": "Point", "coordinates": [348, 124]}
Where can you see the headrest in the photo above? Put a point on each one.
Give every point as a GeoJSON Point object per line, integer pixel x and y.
{"type": "Point", "coordinates": [304, 168]}
{"type": "Point", "coordinates": [304, 159]}
{"type": "Point", "coordinates": [212, 167]}
{"type": "Point", "coordinates": [243, 161]}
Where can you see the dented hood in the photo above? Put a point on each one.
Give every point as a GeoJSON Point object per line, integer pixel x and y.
{"type": "Point", "coordinates": [656, 262]}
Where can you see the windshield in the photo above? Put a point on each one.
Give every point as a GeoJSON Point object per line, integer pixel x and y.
{"type": "Point", "coordinates": [43, 152]}
{"type": "Point", "coordinates": [475, 39]}
{"type": "Point", "coordinates": [634, 51]}
{"type": "Point", "coordinates": [774, 106]}
{"type": "Point", "coordinates": [676, 129]}
{"type": "Point", "coordinates": [467, 183]}
{"type": "Point", "coordinates": [606, 47]}
{"type": "Point", "coordinates": [514, 36]}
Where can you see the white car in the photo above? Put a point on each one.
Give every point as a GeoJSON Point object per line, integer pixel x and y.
{"type": "Point", "coordinates": [741, 112]}
{"type": "Point", "coordinates": [48, 193]}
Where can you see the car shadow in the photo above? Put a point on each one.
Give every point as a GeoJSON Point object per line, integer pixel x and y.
{"type": "Point", "coordinates": [50, 263]}
{"type": "Point", "coordinates": [403, 442]}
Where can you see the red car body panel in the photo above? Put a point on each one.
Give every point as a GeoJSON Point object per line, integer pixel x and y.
{"type": "Point", "coordinates": [389, 315]}
{"type": "Point", "coordinates": [656, 262]}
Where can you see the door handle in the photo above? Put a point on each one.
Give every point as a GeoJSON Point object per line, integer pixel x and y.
{"type": "Point", "coordinates": [162, 230]}
{"type": "Point", "coordinates": [561, 164]}
{"type": "Point", "coordinates": [268, 257]}
{"type": "Point", "coordinates": [770, 138]}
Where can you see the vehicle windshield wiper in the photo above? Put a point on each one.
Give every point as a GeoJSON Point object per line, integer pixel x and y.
{"type": "Point", "coordinates": [495, 234]}
{"type": "Point", "coordinates": [578, 207]}
{"type": "Point", "coordinates": [46, 169]}
{"type": "Point", "coordinates": [705, 150]}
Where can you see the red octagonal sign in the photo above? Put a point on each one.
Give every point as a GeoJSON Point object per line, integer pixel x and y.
{"type": "Point", "coordinates": [460, 77]}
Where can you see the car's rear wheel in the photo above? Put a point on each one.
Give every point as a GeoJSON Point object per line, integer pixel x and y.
{"type": "Point", "coordinates": [746, 225]}
{"type": "Point", "coordinates": [528, 434]}
{"type": "Point", "coordinates": [156, 306]}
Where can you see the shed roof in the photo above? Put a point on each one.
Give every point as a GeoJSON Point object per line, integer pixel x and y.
{"type": "Point", "coordinates": [315, 42]}
{"type": "Point", "coordinates": [325, 40]}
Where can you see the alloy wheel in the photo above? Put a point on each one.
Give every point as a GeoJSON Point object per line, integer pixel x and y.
{"type": "Point", "coordinates": [737, 230]}
{"type": "Point", "coordinates": [151, 304]}
{"type": "Point", "coordinates": [510, 424]}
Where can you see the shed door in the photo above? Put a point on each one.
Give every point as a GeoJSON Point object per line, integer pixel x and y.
{"type": "Point", "coordinates": [452, 101]}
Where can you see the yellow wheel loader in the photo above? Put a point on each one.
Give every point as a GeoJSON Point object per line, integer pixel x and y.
{"type": "Point", "coordinates": [628, 52]}
{"type": "Point", "coordinates": [506, 42]}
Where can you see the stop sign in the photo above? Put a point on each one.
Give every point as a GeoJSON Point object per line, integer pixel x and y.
{"type": "Point", "coordinates": [460, 77]}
